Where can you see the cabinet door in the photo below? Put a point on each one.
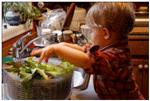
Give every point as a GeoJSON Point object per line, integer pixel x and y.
{"type": "Point", "coordinates": [146, 80]}
{"type": "Point", "coordinates": [141, 73]}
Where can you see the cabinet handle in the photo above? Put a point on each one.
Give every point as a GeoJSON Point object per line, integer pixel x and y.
{"type": "Point", "coordinates": [10, 52]}
{"type": "Point", "coordinates": [140, 66]}
{"type": "Point", "coordinates": [146, 66]}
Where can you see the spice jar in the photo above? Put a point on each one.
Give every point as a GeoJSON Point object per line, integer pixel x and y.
{"type": "Point", "coordinates": [67, 35]}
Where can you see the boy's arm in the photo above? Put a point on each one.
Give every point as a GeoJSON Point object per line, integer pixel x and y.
{"type": "Point", "coordinates": [74, 46]}
{"type": "Point", "coordinates": [74, 56]}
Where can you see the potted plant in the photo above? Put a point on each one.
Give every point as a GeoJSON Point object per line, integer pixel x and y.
{"type": "Point", "coordinates": [26, 10]}
{"type": "Point", "coordinates": [11, 13]}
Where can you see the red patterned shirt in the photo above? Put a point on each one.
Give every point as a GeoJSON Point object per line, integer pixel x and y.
{"type": "Point", "coordinates": [112, 72]}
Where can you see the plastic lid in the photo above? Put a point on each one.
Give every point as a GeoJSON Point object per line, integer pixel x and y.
{"type": "Point", "coordinates": [67, 32]}
{"type": "Point", "coordinates": [46, 30]}
{"type": "Point", "coordinates": [58, 32]}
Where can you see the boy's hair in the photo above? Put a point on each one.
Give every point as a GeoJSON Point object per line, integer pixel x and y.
{"type": "Point", "coordinates": [116, 17]}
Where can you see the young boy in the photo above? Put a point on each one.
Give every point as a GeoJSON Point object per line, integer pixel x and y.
{"type": "Point", "coordinates": [108, 59]}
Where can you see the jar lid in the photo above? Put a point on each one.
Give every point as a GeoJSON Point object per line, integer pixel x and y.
{"type": "Point", "coordinates": [67, 32]}
{"type": "Point", "coordinates": [46, 30]}
{"type": "Point", "coordinates": [58, 32]}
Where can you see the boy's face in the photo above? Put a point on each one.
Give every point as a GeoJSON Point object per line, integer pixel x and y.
{"type": "Point", "coordinates": [97, 36]}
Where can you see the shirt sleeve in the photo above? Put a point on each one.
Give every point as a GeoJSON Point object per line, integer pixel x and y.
{"type": "Point", "coordinates": [109, 64]}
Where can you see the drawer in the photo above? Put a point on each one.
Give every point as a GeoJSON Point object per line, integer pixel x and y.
{"type": "Point", "coordinates": [139, 44]}
{"type": "Point", "coordinates": [139, 47]}
{"type": "Point", "coordinates": [137, 62]}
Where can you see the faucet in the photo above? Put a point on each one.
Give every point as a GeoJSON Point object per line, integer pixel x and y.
{"type": "Point", "coordinates": [20, 50]}
{"type": "Point", "coordinates": [18, 46]}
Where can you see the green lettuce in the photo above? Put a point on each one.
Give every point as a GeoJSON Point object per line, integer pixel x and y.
{"type": "Point", "coordinates": [32, 69]}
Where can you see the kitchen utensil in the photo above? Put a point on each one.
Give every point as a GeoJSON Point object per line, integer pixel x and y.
{"type": "Point", "coordinates": [68, 19]}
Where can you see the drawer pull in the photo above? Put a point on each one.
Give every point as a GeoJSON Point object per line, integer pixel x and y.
{"type": "Point", "coordinates": [140, 66]}
{"type": "Point", "coordinates": [146, 66]}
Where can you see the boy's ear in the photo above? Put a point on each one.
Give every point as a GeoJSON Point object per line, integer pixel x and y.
{"type": "Point", "coordinates": [106, 33]}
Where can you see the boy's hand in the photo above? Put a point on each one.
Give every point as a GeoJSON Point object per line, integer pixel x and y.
{"type": "Point", "coordinates": [45, 53]}
{"type": "Point", "coordinates": [86, 47]}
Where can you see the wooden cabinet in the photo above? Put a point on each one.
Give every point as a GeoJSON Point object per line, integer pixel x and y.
{"type": "Point", "coordinates": [139, 46]}
{"type": "Point", "coordinates": [141, 73]}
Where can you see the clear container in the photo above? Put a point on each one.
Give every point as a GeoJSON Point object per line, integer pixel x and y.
{"type": "Point", "coordinates": [86, 31]}
{"type": "Point", "coordinates": [57, 88]}
{"type": "Point", "coordinates": [54, 89]}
